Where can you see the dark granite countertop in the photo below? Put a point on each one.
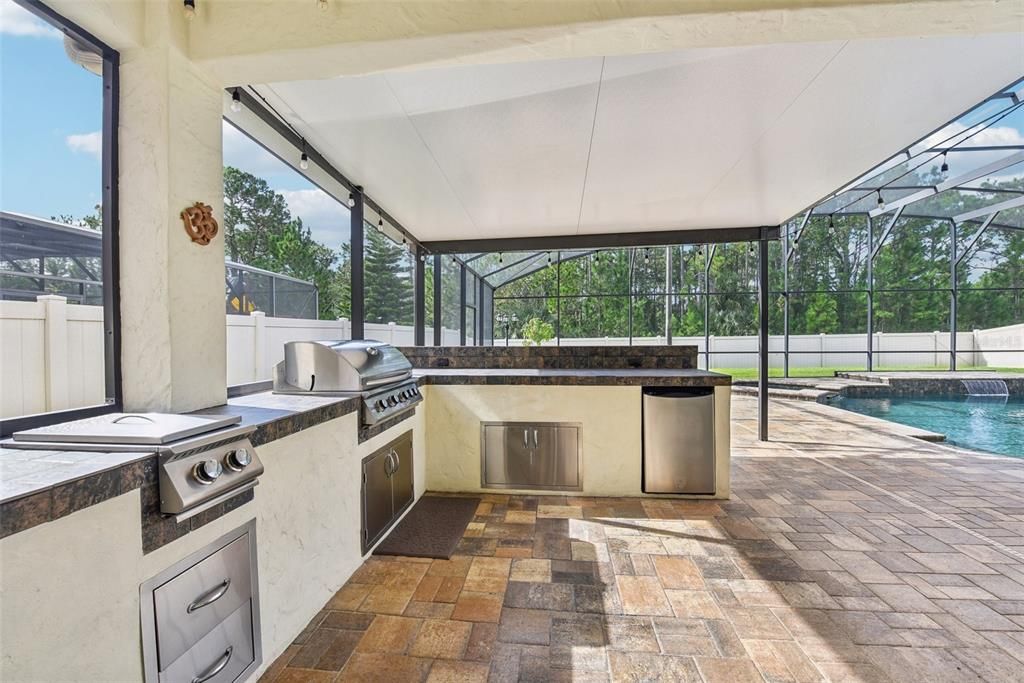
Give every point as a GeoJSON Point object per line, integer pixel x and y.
{"type": "Point", "coordinates": [571, 377]}
{"type": "Point", "coordinates": [39, 486]}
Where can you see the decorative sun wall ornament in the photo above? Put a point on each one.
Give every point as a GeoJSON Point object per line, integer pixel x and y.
{"type": "Point", "coordinates": [200, 224]}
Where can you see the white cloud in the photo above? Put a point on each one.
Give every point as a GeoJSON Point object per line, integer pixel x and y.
{"type": "Point", "coordinates": [248, 156]}
{"type": "Point", "coordinates": [88, 143]}
{"type": "Point", "coordinates": [326, 219]}
{"type": "Point", "coordinates": [15, 21]}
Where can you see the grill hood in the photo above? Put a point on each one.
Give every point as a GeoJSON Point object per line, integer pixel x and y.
{"type": "Point", "coordinates": [340, 366]}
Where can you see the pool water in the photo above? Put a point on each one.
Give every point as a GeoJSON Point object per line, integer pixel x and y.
{"type": "Point", "coordinates": [991, 424]}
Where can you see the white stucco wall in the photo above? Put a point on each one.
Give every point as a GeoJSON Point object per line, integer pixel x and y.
{"type": "Point", "coordinates": [611, 427]}
{"type": "Point", "coordinates": [70, 588]}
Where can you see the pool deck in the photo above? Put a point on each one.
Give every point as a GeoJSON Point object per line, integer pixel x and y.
{"type": "Point", "coordinates": [848, 552]}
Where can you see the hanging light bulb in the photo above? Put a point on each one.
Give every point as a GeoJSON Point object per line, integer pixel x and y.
{"type": "Point", "coordinates": [351, 200]}
{"type": "Point", "coordinates": [750, 249]}
{"type": "Point", "coordinates": [236, 101]}
{"type": "Point", "coordinates": [881, 202]}
{"type": "Point", "coordinates": [304, 159]}
{"type": "Point", "coordinates": [945, 165]}
{"type": "Point", "coordinates": [404, 241]}
{"type": "Point", "coordinates": [190, 9]}
{"type": "Point", "coordinates": [597, 259]}
{"type": "Point", "coordinates": [549, 258]}
{"type": "Point", "coordinates": [647, 255]}
{"type": "Point", "coordinates": [499, 257]}
{"type": "Point", "coordinates": [380, 225]}
{"type": "Point", "coordinates": [831, 223]}
{"type": "Point", "coordinates": [453, 259]}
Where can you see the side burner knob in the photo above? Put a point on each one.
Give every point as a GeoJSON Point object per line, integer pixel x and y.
{"type": "Point", "coordinates": [238, 459]}
{"type": "Point", "coordinates": [207, 471]}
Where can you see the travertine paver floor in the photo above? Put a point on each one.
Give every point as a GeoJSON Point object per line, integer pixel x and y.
{"type": "Point", "coordinates": [845, 554]}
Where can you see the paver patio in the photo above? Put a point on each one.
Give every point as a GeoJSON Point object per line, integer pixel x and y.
{"type": "Point", "coordinates": [848, 552]}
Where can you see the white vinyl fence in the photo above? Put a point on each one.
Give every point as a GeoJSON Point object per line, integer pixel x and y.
{"type": "Point", "coordinates": [51, 352]}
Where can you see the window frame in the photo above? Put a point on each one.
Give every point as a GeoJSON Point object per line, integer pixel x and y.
{"type": "Point", "coordinates": [110, 254]}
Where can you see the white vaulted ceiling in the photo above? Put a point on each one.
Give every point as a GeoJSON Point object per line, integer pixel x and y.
{"type": "Point", "coordinates": [700, 138]}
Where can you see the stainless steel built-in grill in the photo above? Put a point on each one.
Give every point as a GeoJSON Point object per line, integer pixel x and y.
{"type": "Point", "coordinates": [202, 460]}
{"type": "Point", "coordinates": [376, 372]}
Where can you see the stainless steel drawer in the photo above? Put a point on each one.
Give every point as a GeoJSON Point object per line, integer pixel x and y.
{"type": "Point", "coordinates": [220, 656]}
{"type": "Point", "coordinates": [531, 455]}
{"type": "Point", "coordinates": [191, 604]}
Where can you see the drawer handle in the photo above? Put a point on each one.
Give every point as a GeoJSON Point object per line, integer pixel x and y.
{"type": "Point", "coordinates": [216, 667]}
{"type": "Point", "coordinates": [535, 443]}
{"type": "Point", "coordinates": [210, 596]}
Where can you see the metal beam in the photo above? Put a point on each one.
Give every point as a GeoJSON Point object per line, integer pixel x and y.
{"type": "Point", "coordinates": [762, 345]}
{"type": "Point", "coordinates": [357, 291]}
{"type": "Point", "coordinates": [668, 296]}
{"type": "Point", "coordinates": [437, 300]}
{"type": "Point", "coordinates": [282, 129]}
{"type": "Point", "coordinates": [419, 299]}
{"type": "Point", "coordinates": [603, 241]}
{"type": "Point", "coordinates": [885, 233]}
{"type": "Point", "coordinates": [462, 304]}
{"type": "Point", "coordinates": [991, 209]}
{"type": "Point", "coordinates": [977, 236]}
{"type": "Point", "coordinates": [952, 183]}
{"type": "Point", "coordinates": [799, 234]}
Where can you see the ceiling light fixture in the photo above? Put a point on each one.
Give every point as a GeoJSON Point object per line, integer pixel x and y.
{"type": "Point", "coordinates": [190, 9]}
{"type": "Point", "coordinates": [304, 159]}
{"type": "Point", "coordinates": [236, 101]}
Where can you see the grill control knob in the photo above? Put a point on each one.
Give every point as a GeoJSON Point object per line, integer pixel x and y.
{"type": "Point", "coordinates": [402, 397]}
{"type": "Point", "coordinates": [238, 459]}
{"type": "Point", "coordinates": [207, 471]}
{"type": "Point", "coordinates": [392, 401]}
{"type": "Point", "coordinates": [380, 405]}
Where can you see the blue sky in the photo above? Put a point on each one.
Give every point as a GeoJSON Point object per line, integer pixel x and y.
{"type": "Point", "coordinates": [51, 111]}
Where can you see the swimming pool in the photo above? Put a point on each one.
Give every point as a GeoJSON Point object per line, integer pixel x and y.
{"type": "Point", "coordinates": [992, 424]}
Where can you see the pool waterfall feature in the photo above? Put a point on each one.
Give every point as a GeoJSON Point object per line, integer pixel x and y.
{"type": "Point", "coordinates": [985, 387]}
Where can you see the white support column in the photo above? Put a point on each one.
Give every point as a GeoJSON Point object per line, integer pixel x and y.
{"type": "Point", "coordinates": [259, 346]}
{"type": "Point", "coordinates": [172, 289]}
{"type": "Point", "coordinates": [55, 350]}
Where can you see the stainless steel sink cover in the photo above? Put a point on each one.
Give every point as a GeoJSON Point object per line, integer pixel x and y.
{"type": "Point", "coordinates": [127, 428]}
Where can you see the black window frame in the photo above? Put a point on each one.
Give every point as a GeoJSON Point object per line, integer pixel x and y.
{"type": "Point", "coordinates": [110, 256]}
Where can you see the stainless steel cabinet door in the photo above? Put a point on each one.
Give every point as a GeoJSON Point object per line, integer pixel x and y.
{"type": "Point", "coordinates": [401, 480]}
{"type": "Point", "coordinates": [530, 455]}
{"type": "Point", "coordinates": [377, 499]}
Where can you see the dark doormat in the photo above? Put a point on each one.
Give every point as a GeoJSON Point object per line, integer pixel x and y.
{"type": "Point", "coordinates": [432, 528]}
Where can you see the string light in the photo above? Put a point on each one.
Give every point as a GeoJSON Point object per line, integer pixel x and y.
{"type": "Point", "coordinates": [380, 225]}
{"type": "Point", "coordinates": [597, 259]}
{"type": "Point", "coordinates": [499, 257]}
{"type": "Point", "coordinates": [945, 164]}
{"type": "Point", "coordinates": [236, 101]}
{"type": "Point", "coordinates": [549, 258]}
{"type": "Point", "coordinates": [304, 159]}
{"type": "Point", "coordinates": [647, 255]}
{"type": "Point", "coordinates": [190, 9]}
{"type": "Point", "coordinates": [831, 223]}
{"type": "Point", "coordinates": [351, 200]}
{"type": "Point", "coordinates": [881, 202]}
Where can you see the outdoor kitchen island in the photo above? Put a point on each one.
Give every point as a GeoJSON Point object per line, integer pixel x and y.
{"type": "Point", "coordinates": [595, 392]}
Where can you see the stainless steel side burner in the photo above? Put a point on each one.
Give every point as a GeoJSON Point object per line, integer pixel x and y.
{"type": "Point", "coordinates": [374, 371]}
{"type": "Point", "coordinates": [202, 460]}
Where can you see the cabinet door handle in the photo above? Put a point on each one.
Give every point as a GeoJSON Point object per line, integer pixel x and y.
{"type": "Point", "coordinates": [526, 438]}
{"type": "Point", "coordinates": [535, 441]}
{"type": "Point", "coordinates": [389, 460]}
{"type": "Point", "coordinates": [216, 667]}
{"type": "Point", "coordinates": [209, 597]}
{"type": "Point", "coordinates": [398, 459]}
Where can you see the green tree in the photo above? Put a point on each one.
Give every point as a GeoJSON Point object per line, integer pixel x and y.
{"type": "Point", "coordinates": [388, 281]}
{"type": "Point", "coordinates": [260, 231]}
